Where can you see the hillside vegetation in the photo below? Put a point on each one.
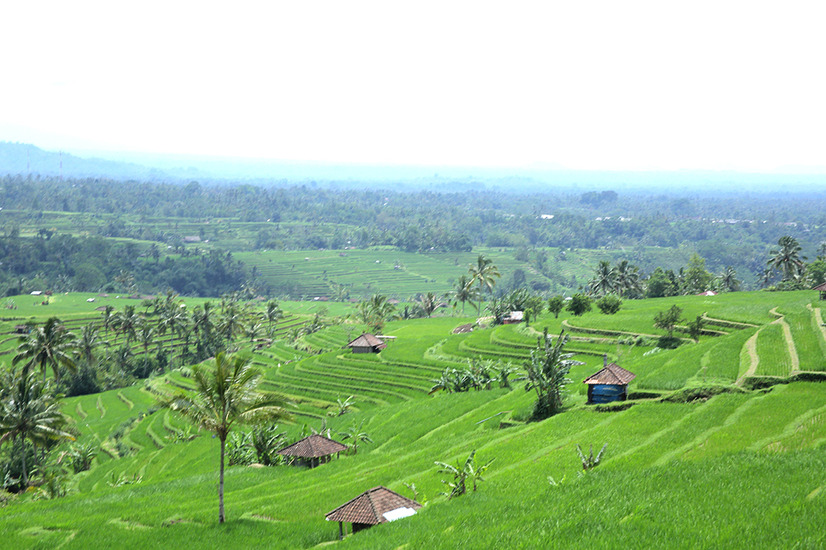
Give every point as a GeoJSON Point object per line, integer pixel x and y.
{"type": "Point", "coordinates": [720, 444]}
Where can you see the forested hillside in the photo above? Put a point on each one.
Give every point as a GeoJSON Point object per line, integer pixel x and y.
{"type": "Point", "coordinates": [160, 232]}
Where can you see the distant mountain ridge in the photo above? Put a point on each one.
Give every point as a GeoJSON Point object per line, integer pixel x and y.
{"type": "Point", "coordinates": [24, 159]}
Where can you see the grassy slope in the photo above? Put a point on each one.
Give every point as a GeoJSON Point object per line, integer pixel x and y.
{"type": "Point", "coordinates": [760, 454]}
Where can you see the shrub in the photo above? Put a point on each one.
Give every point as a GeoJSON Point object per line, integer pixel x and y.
{"type": "Point", "coordinates": [579, 304]}
{"type": "Point", "coordinates": [609, 304]}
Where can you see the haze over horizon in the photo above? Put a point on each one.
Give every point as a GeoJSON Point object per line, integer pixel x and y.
{"type": "Point", "coordinates": [640, 86]}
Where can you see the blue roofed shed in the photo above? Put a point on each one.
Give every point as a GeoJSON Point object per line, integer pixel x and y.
{"type": "Point", "coordinates": [609, 384]}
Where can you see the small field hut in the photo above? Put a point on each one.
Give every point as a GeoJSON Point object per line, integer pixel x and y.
{"type": "Point", "coordinates": [514, 317]}
{"type": "Point", "coordinates": [822, 290]}
{"type": "Point", "coordinates": [609, 384]}
{"type": "Point", "coordinates": [366, 343]}
{"type": "Point", "coordinates": [378, 505]}
{"type": "Point", "coordinates": [313, 450]}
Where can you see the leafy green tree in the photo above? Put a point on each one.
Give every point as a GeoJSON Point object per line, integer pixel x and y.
{"type": "Point", "coordinates": [555, 305]}
{"type": "Point", "coordinates": [661, 284]}
{"type": "Point", "coordinates": [484, 273]}
{"type": "Point", "coordinates": [695, 327]}
{"type": "Point", "coordinates": [696, 278]}
{"type": "Point", "coordinates": [547, 374]}
{"type": "Point", "coordinates": [48, 346]}
{"type": "Point", "coordinates": [816, 272]}
{"type": "Point", "coordinates": [787, 259]}
{"type": "Point", "coordinates": [609, 304]}
{"type": "Point", "coordinates": [225, 394]}
{"type": "Point", "coordinates": [29, 411]}
{"type": "Point", "coordinates": [579, 304]}
{"type": "Point", "coordinates": [667, 320]}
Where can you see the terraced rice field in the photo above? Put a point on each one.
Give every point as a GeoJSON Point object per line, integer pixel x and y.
{"type": "Point", "coordinates": [725, 455]}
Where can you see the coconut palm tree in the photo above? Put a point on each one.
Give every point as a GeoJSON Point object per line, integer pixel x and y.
{"type": "Point", "coordinates": [226, 394]}
{"type": "Point", "coordinates": [604, 280]}
{"type": "Point", "coordinates": [50, 345]}
{"type": "Point", "coordinates": [626, 278]}
{"type": "Point", "coordinates": [427, 302]}
{"type": "Point", "coordinates": [29, 411]}
{"type": "Point", "coordinates": [485, 274]}
{"type": "Point", "coordinates": [88, 342]}
{"type": "Point", "coordinates": [108, 317]}
{"type": "Point", "coordinates": [273, 314]}
{"type": "Point", "coordinates": [126, 322]}
{"type": "Point", "coordinates": [787, 259]}
{"type": "Point", "coordinates": [463, 292]}
{"type": "Point", "coordinates": [728, 280]}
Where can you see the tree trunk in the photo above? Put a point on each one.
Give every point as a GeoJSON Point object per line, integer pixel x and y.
{"type": "Point", "coordinates": [221, 484]}
{"type": "Point", "coordinates": [25, 474]}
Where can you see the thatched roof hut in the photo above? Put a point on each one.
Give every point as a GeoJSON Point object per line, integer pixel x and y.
{"type": "Point", "coordinates": [378, 505]}
{"type": "Point", "coordinates": [367, 343]}
{"type": "Point", "coordinates": [609, 384]}
{"type": "Point", "coordinates": [313, 450]}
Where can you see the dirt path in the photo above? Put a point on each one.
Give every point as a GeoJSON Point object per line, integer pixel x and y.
{"type": "Point", "coordinates": [818, 319]}
{"type": "Point", "coordinates": [787, 334]}
{"type": "Point", "coordinates": [751, 348]}
{"type": "Point", "coordinates": [754, 359]}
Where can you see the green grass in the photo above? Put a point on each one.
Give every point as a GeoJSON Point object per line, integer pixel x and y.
{"type": "Point", "coordinates": [773, 352]}
{"type": "Point", "coordinates": [671, 470]}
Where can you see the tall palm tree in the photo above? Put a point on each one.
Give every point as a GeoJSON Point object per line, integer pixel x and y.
{"type": "Point", "coordinates": [273, 314]}
{"type": "Point", "coordinates": [29, 411]}
{"type": "Point", "coordinates": [428, 303]}
{"type": "Point", "coordinates": [787, 259]}
{"type": "Point", "coordinates": [88, 342]}
{"type": "Point", "coordinates": [626, 278]}
{"type": "Point", "coordinates": [226, 394]}
{"type": "Point", "coordinates": [728, 280]}
{"type": "Point", "coordinates": [463, 292]}
{"type": "Point", "coordinates": [126, 322]}
{"type": "Point", "coordinates": [485, 274]}
{"type": "Point", "coordinates": [108, 318]}
{"type": "Point", "coordinates": [50, 345]}
{"type": "Point", "coordinates": [603, 282]}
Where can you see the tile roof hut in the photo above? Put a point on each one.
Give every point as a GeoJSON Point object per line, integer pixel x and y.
{"type": "Point", "coordinates": [378, 505]}
{"type": "Point", "coordinates": [822, 290]}
{"type": "Point", "coordinates": [366, 343]}
{"type": "Point", "coordinates": [313, 450]}
{"type": "Point", "coordinates": [609, 384]}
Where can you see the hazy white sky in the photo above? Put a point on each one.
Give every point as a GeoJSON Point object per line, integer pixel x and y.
{"type": "Point", "coordinates": [589, 85]}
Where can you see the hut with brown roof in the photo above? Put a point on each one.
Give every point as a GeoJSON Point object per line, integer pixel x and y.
{"type": "Point", "coordinates": [378, 505]}
{"type": "Point", "coordinates": [822, 290]}
{"type": "Point", "coordinates": [313, 450]}
{"type": "Point", "coordinates": [367, 343]}
{"type": "Point", "coordinates": [609, 384]}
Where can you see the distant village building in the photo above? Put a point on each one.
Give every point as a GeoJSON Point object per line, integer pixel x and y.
{"type": "Point", "coordinates": [366, 343]}
{"type": "Point", "coordinates": [192, 239]}
{"type": "Point", "coordinates": [513, 318]}
{"type": "Point", "coordinates": [313, 450]}
{"type": "Point", "coordinates": [609, 384]}
{"type": "Point", "coordinates": [378, 505]}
